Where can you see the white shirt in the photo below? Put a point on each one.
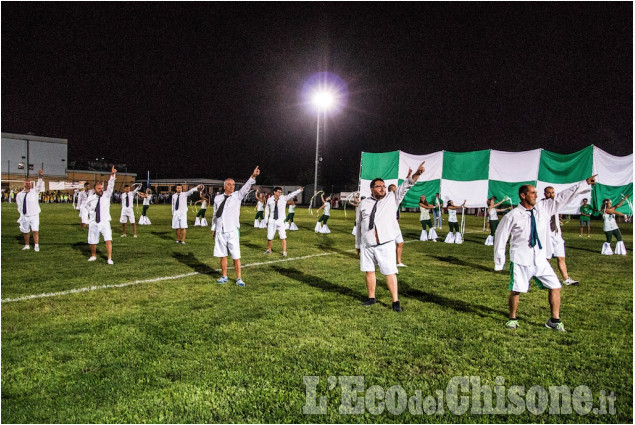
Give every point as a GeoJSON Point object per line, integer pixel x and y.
{"type": "Point", "coordinates": [129, 195]}
{"type": "Point", "coordinates": [327, 208]}
{"type": "Point", "coordinates": [492, 213]}
{"type": "Point", "coordinates": [260, 206]}
{"type": "Point", "coordinates": [31, 197]}
{"type": "Point", "coordinates": [385, 224]}
{"type": "Point", "coordinates": [204, 204]}
{"type": "Point", "coordinates": [230, 218]}
{"type": "Point", "coordinates": [282, 204]}
{"type": "Point", "coordinates": [425, 214]}
{"type": "Point", "coordinates": [452, 216]}
{"type": "Point", "coordinates": [609, 222]}
{"type": "Point", "coordinates": [182, 201]}
{"type": "Point", "coordinates": [291, 209]}
{"type": "Point", "coordinates": [146, 200]}
{"type": "Point", "coordinates": [88, 209]}
{"type": "Point", "coordinates": [517, 224]}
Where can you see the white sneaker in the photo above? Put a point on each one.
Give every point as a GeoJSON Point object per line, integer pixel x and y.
{"type": "Point", "coordinates": [26, 247]}
{"type": "Point", "coordinates": [110, 262]}
{"type": "Point", "coordinates": [36, 248]}
{"type": "Point", "coordinates": [92, 259]}
{"type": "Point", "coordinates": [123, 236]}
{"type": "Point", "coordinates": [134, 236]}
{"type": "Point", "coordinates": [284, 254]}
{"type": "Point", "coordinates": [401, 265]}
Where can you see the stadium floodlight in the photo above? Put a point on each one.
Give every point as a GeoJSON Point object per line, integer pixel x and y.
{"type": "Point", "coordinates": [328, 93]}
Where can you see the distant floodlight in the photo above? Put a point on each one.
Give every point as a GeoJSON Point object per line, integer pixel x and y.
{"type": "Point", "coordinates": [323, 100]}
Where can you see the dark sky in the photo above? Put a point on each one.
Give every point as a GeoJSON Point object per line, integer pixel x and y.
{"type": "Point", "coordinates": [212, 89]}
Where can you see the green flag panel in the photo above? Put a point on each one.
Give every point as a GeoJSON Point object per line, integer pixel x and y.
{"type": "Point", "coordinates": [565, 168]}
{"type": "Point", "coordinates": [428, 188]}
{"type": "Point", "coordinates": [466, 166]}
{"type": "Point", "coordinates": [614, 193]}
{"type": "Point", "coordinates": [501, 189]}
{"type": "Point", "coordinates": [384, 165]}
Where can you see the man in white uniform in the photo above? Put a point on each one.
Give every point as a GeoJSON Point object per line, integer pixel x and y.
{"type": "Point", "coordinates": [529, 249]}
{"type": "Point", "coordinates": [227, 223]}
{"type": "Point", "coordinates": [127, 212]}
{"type": "Point", "coordinates": [557, 242]}
{"type": "Point", "coordinates": [274, 217]}
{"type": "Point", "coordinates": [29, 209]}
{"type": "Point", "coordinates": [377, 229]}
{"type": "Point", "coordinates": [97, 209]}
{"type": "Point", "coordinates": [82, 196]}
{"type": "Point", "coordinates": [179, 211]}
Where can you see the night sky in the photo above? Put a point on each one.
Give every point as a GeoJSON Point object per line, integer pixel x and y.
{"type": "Point", "coordinates": [212, 89]}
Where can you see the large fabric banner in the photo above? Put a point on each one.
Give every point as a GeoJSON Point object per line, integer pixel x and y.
{"type": "Point", "coordinates": [475, 176]}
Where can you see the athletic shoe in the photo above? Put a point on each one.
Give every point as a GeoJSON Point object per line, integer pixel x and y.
{"type": "Point", "coordinates": [396, 306]}
{"type": "Point", "coordinates": [511, 324]}
{"type": "Point", "coordinates": [222, 279]}
{"type": "Point", "coordinates": [580, 235]}
{"type": "Point", "coordinates": [182, 242]}
{"type": "Point", "coordinates": [178, 241]}
{"type": "Point", "coordinates": [110, 262]}
{"type": "Point", "coordinates": [570, 281]}
{"type": "Point", "coordinates": [369, 301]}
{"type": "Point", "coordinates": [555, 326]}
{"type": "Point", "coordinates": [134, 236]}
{"type": "Point", "coordinates": [26, 247]}
{"type": "Point", "coordinates": [401, 265]}
{"type": "Point", "coordinates": [588, 236]}
{"type": "Point", "coordinates": [123, 236]}
{"type": "Point", "coordinates": [240, 282]}
{"type": "Point", "coordinates": [267, 252]}
{"type": "Point", "coordinates": [36, 248]}
{"type": "Point", "coordinates": [92, 258]}
{"type": "Point", "coordinates": [284, 254]}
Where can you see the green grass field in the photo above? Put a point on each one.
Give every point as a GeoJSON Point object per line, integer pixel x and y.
{"type": "Point", "coordinates": [188, 350]}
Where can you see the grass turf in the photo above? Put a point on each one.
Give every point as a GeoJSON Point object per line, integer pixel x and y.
{"type": "Point", "coordinates": [189, 350]}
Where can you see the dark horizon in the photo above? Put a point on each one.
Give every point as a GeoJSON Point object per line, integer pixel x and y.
{"type": "Point", "coordinates": [213, 89]}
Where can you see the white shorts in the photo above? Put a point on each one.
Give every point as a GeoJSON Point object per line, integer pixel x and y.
{"type": "Point", "coordinates": [274, 226]}
{"type": "Point", "coordinates": [399, 238]}
{"type": "Point", "coordinates": [127, 214]}
{"type": "Point", "coordinates": [384, 256]}
{"type": "Point", "coordinates": [179, 221]}
{"type": "Point", "coordinates": [95, 229]}
{"type": "Point", "coordinates": [558, 245]}
{"type": "Point", "coordinates": [29, 224]}
{"type": "Point", "coordinates": [543, 275]}
{"type": "Point", "coordinates": [225, 243]}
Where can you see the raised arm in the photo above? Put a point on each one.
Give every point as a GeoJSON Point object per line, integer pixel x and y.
{"type": "Point", "coordinates": [401, 191]}
{"type": "Point", "coordinates": [39, 187]}
{"type": "Point", "coordinates": [245, 189]}
{"type": "Point", "coordinates": [294, 193]}
{"type": "Point", "coordinates": [111, 182]}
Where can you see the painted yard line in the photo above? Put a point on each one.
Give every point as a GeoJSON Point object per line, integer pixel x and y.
{"type": "Point", "coordinates": [159, 279]}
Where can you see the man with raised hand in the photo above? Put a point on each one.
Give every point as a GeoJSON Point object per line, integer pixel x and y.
{"type": "Point", "coordinates": [377, 229]}
{"type": "Point", "coordinates": [275, 215]}
{"type": "Point", "coordinates": [179, 211]}
{"type": "Point", "coordinates": [227, 223]}
{"type": "Point", "coordinates": [97, 209]}
{"type": "Point", "coordinates": [530, 248]}
{"type": "Point", "coordinates": [29, 209]}
{"type": "Point", "coordinates": [127, 211]}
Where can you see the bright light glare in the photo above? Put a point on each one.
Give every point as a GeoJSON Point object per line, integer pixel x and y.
{"type": "Point", "coordinates": [323, 100]}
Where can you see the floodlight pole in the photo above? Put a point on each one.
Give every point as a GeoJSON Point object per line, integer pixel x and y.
{"type": "Point", "coordinates": [317, 157]}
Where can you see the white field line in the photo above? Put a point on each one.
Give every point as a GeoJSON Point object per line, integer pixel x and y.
{"type": "Point", "coordinates": [159, 279]}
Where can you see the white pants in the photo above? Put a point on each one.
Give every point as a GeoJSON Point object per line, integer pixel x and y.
{"type": "Point", "coordinates": [543, 273]}
{"type": "Point", "coordinates": [384, 256]}
{"type": "Point", "coordinates": [95, 229]}
{"type": "Point", "coordinates": [127, 214]}
{"type": "Point", "coordinates": [558, 245]}
{"type": "Point", "coordinates": [274, 226]}
{"type": "Point", "coordinates": [225, 243]}
{"type": "Point", "coordinates": [179, 221]}
{"type": "Point", "coordinates": [29, 223]}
